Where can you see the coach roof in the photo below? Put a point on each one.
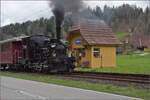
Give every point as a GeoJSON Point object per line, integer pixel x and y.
{"type": "Point", "coordinates": [14, 39]}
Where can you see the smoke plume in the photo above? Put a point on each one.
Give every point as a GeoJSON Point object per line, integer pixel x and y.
{"type": "Point", "coordinates": [61, 8]}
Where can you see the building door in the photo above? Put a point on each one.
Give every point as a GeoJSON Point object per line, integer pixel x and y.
{"type": "Point", "coordinates": [78, 55]}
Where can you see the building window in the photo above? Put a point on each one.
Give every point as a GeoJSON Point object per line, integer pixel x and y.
{"type": "Point", "coordinates": [96, 52]}
{"type": "Point", "coordinates": [78, 41]}
{"type": "Point", "coordinates": [74, 53]}
{"type": "Point", "coordinates": [83, 52]}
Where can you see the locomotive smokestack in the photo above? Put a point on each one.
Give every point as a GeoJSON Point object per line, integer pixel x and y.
{"type": "Point", "coordinates": [62, 7]}
{"type": "Point", "coordinates": [59, 17]}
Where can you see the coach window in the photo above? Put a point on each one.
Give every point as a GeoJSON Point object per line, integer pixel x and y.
{"type": "Point", "coordinates": [5, 47]}
{"type": "Point", "coordinates": [2, 48]}
{"type": "Point", "coordinates": [96, 52]}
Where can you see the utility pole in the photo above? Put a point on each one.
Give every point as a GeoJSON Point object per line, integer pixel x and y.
{"type": "Point", "coordinates": [101, 61]}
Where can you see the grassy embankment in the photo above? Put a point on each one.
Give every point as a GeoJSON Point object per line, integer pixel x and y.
{"type": "Point", "coordinates": [130, 91]}
{"type": "Point", "coordinates": [134, 63]}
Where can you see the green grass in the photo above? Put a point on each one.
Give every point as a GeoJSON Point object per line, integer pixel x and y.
{"type": "Point", "coordinates": [126, 64]}
{"type": "Point", "coordinates": [130, 91]}
{"type": "Point", "coordinates": [121, 35]}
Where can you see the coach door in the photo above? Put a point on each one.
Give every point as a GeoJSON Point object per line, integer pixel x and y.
{"type": "Point", "coordinates": [17, 52]}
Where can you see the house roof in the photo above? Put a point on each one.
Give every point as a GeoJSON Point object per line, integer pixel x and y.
{"type": "Point", "coordinates": [95, 32]}
{"type": "Point", "coordinates": [138, 40]}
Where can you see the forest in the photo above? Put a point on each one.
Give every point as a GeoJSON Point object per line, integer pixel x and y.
{"type": "Point", "coordinates": [125, 18]}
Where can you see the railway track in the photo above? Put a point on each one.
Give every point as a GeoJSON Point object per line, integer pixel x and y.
{"type": "Point", "coordinates": [139, 79]}
{"type": "Point", "coordinates": [119, 77]}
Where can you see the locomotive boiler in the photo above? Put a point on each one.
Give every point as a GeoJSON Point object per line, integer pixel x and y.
{"type": "Point", "coordinates": [36, 53]}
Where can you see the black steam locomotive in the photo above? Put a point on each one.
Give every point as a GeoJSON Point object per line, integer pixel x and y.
{"type": "Point", "coordinates": [42, 53]}
{"type": "Point", "coordinates": [37, 53]}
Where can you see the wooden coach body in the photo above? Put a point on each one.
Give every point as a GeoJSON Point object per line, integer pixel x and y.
{"type": "Point", "coordinates": [10, 51]}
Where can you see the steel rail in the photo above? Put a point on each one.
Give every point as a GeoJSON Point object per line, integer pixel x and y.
{"type": "Point", "coordinates": [133, 78]}
{"type": "Point", "coordinates": [114, 74]}
{"type": "Point", "coordinates": [99, 76]}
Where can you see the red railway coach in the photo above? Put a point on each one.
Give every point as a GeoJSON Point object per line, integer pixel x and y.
{"type": "Point", "coordinates": [11, 51]}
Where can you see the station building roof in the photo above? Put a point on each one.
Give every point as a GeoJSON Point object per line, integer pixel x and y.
{"type": "Point", "coordinates": [95, 32]}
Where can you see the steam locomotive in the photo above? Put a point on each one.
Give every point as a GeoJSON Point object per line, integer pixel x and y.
{"type": "Point", "coordinates": [35, 53]}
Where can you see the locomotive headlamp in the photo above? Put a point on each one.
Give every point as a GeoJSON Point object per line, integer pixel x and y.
{"type": "Point", "coordinates": [53, 45]}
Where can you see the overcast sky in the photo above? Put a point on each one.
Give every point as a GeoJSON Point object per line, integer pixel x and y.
{"type": "Point", "coordinates": [21, 11]}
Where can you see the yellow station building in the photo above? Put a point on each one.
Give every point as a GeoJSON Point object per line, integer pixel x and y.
{"type": "Point", "coordinates": [93, 43]}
